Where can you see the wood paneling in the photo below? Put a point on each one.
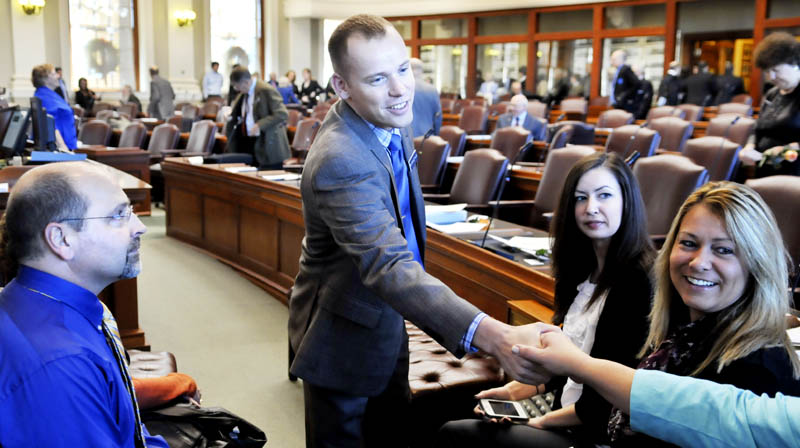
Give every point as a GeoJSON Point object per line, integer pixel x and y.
{"type": "Point", "coordinates": [258, 237]}
{"type": "Point", "coordinates": [220, 224]}
{"type": "Point", "coordinates": [186, 212]}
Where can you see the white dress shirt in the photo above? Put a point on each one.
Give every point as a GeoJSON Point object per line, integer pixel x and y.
{"type": "Point", "coordinates": [212, 84]}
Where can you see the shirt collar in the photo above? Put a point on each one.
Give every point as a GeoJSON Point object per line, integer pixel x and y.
{"type": "Point", "coordinates": [384, 136]}
{"type": "Point", "coordinates": [70, 294]}
{"type": "Point", "coordinates": [521, 116]}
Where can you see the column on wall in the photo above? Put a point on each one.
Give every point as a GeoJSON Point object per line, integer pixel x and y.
{"type": "Point", "coordinates": [25, 55]}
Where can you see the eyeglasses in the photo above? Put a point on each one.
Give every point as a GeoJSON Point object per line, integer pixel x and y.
{"type": "Point", "coordinates": [123, 216]}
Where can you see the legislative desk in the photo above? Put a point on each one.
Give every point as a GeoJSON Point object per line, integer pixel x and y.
{"type": "Point", "coordinates": [121, 297]}
{"type": "Point", "coordinates": [256, 226]}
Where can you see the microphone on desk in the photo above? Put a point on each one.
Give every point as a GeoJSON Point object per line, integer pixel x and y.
{"type": "Point", "coordinates": [561, 117]}
{"type": "Point", "coordinates": [625, 154]}
{"type": "Point", "coordinates": [722, 144]}
{"type": "Point", "coordinates": [506, 178]}
{"type": "Point", "coordinates": [633, 158]}
{"type": "Point", "coordinates": [425, 137]}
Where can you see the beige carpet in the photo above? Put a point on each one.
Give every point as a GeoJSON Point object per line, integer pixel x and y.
{"type": "Point", "coordinates": [226, 332]}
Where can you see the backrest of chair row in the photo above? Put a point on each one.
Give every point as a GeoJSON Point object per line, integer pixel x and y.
{"type": "Point", "coordinates": [558, 164]}
{"type": "Point", "coordinates": [742, 109]}
{"type": "Point", "coordinates": [165, 136]}
{"type": "Point", "coordinates": [202, 136]}
{"type": "Point", "coordinates": [305, 134]}
{"type": "Point", "coordinates": [509, 140]}
{"type": "Point", "coordinates": [456, 137]}
{"type": "Point", "coordinates": [692, 112]}
{"type": "Point", "coordinates": [133, 135]}
{"type": "Point", "coordinates": [131, 109]}
{"type": "Point", "coordinates": [665, 111]}
{"type": "Point", "coordinates": [432, 160]}
{"type": "Point", "coordinates": [735, 128]}
{"type": "Point", "coordinates": [479, 177]}
{"type": "Point", "coordinates": [717, 154]}
{"type": "Point", "coordinates": [473, 119]}
{"type": "Point", "coordinates": [780, 193]}
{"type": "Point", "coordinates": [614, 118]}
{"type": "Point", "coordinates": [583, 133]}
{"type": "Point", "coordinates": [674, 132]}
{"type": "Point", "coordinates": [538, 109]}
{"type": "Point", "coordinates": [95, 132]}
{"type": "Point", "coordinates": [294, 117]}
{"type": "Point", "coordinates": [624, 140]}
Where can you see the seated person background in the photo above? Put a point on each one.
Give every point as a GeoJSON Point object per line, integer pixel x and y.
{"type": "Point", "coordinates": [518, 116]}
{"type": "Point", "coordinates": [601, 258]}
{"type": "Point", "coordinates": [287, 91]}
{"type": "Point", "coordinates": [64, 380]}
{"type": "Point", "coordinates": [128, 97]}
{"type": "Point", "coordinates": [84, 96]}
{"type": "Point", "coordinates": [45, 79]}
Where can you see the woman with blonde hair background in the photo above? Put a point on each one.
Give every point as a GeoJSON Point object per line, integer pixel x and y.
{"type": "Point", "coordinates": [721, 299]}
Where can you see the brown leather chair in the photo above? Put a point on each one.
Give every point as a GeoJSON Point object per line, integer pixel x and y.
{"type": "Point", "coordinates": [5, 117]}
{"type": "Point", "coordinates": [210, 109]}
{"type": "Point", "coordinates": [447, 105]}
{"type": "Point", "coordinates": [165, 136]}
{"type": "Point", "coordinates": [575, 108]}
{"type": "Point", "coordinates": [456, 137]}
{"type": "Point", "coordinates": [735, 108]}
{"type": "Point", "coordinates": [133, 135]}
{"type": "Point", "coordinates": [538, 109]}
{"type": "Point", "coordinates": [95, 132]}
{"type": "Point", "coordinates": [780, 193]}
{"type": "Point", "coordinates": [692, 112]}
{"type": "Point", "coordinates": [304, 136]}
{"type": "Point", "coordinates": [724, 126]}
{"type": "Point", "coordinates": [201, 140]}
{"type": "Point", "coordinates": [431, 163]}
{"type": "Point", "coordinates": [742, 98]}
{"type": "Point", "coordinates": [509, 140]}
{"type": "Point", "coordinates": [666, 181]}
{"type": "Point", "coordinates": [561, 137]}
{"type": "Point", "coordinates": [459, 105]}
{"type": "Point", "coordinates": [477, 101]}
{"type": "Point", "coordinates": [600, 101]}
{"type": "Point", "coordinates": [552, 183]}
{"type": "Point", "coordinates": [499, 109]}
{"type": "Point", "coordinates": [216, 99]}
{"type": "Point", "coordinates": [104, 115]}
{"type": "Point", "coordinates": [294, 118]}
{"type": "Point", "coordinates": [190, 111]}
{"type": "Point", "coordinates": [583, 133]}
{"type": "Point", "coordinates": [450, 95]}
{"type": "Point", "coordinates": [101, 106]}
{"type": "Point", "coordinates": [478, 179]}
{"type": "Point", "coordinates": [183, 124]}
{"type": "Point", "coordinates": [321, 107]}
{"type": "Point", "coordinates": [179, 106]}
{"type": "Point", "coordinates": [614, 118]}
{"type": "Point", "coordinates": [320, 115]}
{"type": "Point", "coordinates": [664, 111]}
{"type": "Point", "coordinates": [473, 120]}
{"type": "Point", "coordinates": [718, 155]}
{"type": "Point", "coordinates": [624, 140]}
{"type": "Point", "coordinates": [674, 132]}
{"type": "Point", "coordinates": [129, 109]}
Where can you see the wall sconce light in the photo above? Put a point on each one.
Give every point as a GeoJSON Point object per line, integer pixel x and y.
{"type": "Point", "coordinates": [185, 17]}
{"type": "Point", "coordinates": [31, 7]}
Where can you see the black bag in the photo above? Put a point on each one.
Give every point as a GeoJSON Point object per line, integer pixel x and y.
{"type": "Point", "coordinates": [190, 426]}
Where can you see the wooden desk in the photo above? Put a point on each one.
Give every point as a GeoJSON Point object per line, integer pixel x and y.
{"type": "Point", "coordinates": [256, 226]}
{"type": "Point", "coordinates": [133, 161]}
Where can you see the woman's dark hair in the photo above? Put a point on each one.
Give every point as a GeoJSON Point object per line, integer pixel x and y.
{"type": "Point", "coordinates": [83, 83]}
{"type": "Point", "coordinates": [573, 258]}
{"type": "Point", "coordinates": [775, 49]}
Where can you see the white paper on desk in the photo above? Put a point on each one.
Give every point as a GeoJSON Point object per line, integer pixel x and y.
{"type": "Point", "coordinates": [283, 176]}
{"type": "Point", "coordinates": [455, 159]}
{"type": "Point", "coordinates": [529, 244]}
{"type": "Point", "coordinates": [149, 120]}
{"type": "Point", "coordinates": [533, 262]}
{"type": "Point", "coordinates": [241, 169]}
{"type": "Point", "coordinates": [459, 227]}
{"type": "Point", "coordinates": [4, 187]}
{"type": "Point", "coordinates": [195, 160]}
{"type": "Point", "coordinates": [479, 137]}
{"type": "Point", "coordinates": [794, 336]}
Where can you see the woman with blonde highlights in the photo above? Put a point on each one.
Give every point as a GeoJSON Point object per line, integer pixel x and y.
{"type": "Point", "coordinates": [721, 299]}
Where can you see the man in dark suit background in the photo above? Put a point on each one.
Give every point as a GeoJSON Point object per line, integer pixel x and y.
{"type": "Point", "coordinates": [624, 84]}
{"type": "Point", "coordinates": [728, 85]}
{"type": "Point", "coordinates": [519, 116]}
{"type": "Point", "coordinates": [427, 108]}
{"type": "Point", "coordinates": [671, 89]}
{"type": "Point", "coordinates": [258, 119]}
{"type": "Point", "coordinates": [162, 97]}
{"type": "Point", "coordinates": [644, 94]}
{"type": "Point", "coordinates": [701, 87]}
{"type": "Point", "coordinates": [361, 266]}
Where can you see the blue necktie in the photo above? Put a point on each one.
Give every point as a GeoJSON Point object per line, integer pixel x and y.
{"type": "Point", "coordinates": [404, 195]}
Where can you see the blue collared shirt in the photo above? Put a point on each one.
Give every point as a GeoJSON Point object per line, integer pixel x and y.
{"type": "Point", "coordinates": [62, 114]}
{"type": "Point", "coordinates": [59, 381]}
{"type": "Point", "coordinates": [385, 137]}
{"type": "Point", "coordinates": [699, 413]}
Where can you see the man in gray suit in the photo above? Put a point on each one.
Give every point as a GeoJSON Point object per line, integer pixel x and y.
{"type": "Point", "coordinates": [361, 266]}
{"type": "Point", "coordinates": [162, 97]}
{"type": "Point", "coordinates": [519, 116]}
{"type": "Point", "coordinates": [427, 109]}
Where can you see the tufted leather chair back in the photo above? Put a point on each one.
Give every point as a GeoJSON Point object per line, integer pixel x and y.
{"type": "Point", "coordinates": [479, 177]}
{"type": "Point", "coordinates": [674, 132]}
{"type": "Point", "coordinates": [735, 108]}
{"type": "Point", "coordinates": [432, 160]}
{"type": "Point", "coordinates": [644, 140]}
{"type": "Point", "coordinates": [456, 137]}
{"type": "Point", "coordinates": [739, 132]}
{"type": "Point", "coordinates": [583, 134]}
{"type": "Point", "coordinates": [538, 109]}
{"type": "Point", "coordinates": [575, 108]}
{"type": "Point", "coordinates": [742, 98]}
{"type": "Point", "coordinates": [666, 181]}
{"type": "Point", "coordinates": [781, 193]}
{"type": "Point", "coordinates": [294, 118]}
{"type": "Point", "coordinates": [664, 111]}
{"type": "Point", "coordinates": [508, 140]}
{"type": "Point", "coordinates": [717, 154]}
{"type": "Point", "coordinates": [692, 112]}
{"type": "Point", "coordinates": [473, 119]}
{"type": "Point", "coordinates": [95, 132]}
{"type": "Point", "coordinates": [305, 134]}
{"type": "Point", "coordinates": [165, 136]}
{"type": "Point", "coordinates": [614, 118]}
{"type": "Point", "coordinates": [133, 135]}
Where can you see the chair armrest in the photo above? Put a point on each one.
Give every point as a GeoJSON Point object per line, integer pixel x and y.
{"type": "Point", "coordinates": [192, 154]}
{"type": "Point", "coordinates": [440, 198]}
{"type": "Point", "coordinates": [172, 152]}
{"type": "Point", "coordinates": [429, 189]}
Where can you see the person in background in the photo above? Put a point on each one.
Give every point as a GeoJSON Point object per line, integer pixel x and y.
{"type": "Point", "coordinates": [681, 410]}
{"type": "Point", "coordinates": [644, 94]}
{"type": "Point", "coordinates": [128, 97]}
{"type": "Point", "coordinates": [212, 83]}
{"type": "Point", "coordinates": [427, 109]}
{"type": "Point", "coordinates": [624, 83]}
{"type": "Point", "coordinates": [45, 80]}
{"type": "Point", "coordinates": [232, 93]}
{"type": "Point", "coordinates": [84, 96]}
{"type": "Point", "coordinates": [62, 89]}
{"type": "Point", "coordinates": [309, 89]}
{"type": "Point", "coordinates": [488, 88]}
{"type": "Point", "coordinates": [292, 76]}
{"type": "Point", "coordinates": [671, 90]}
{"type": "Point", "coordinates": [519, 116]}
{"type": "Point", "coordinates": [778, 124]}
{"type": "Point", "coordinates": [273, 80]}
{"type": "Point", "coordinates": [601, 261]}
{"type": "Point", "coordinates": [701, 87]}
{"type": "Point", "coordinates": [285, 88]}
{"type": "Point", "coordinates": [65, 379]}
{"type": "Point", "coordinates": [561, 88]}
{"type": "Point", "coordinates": [728, 85]}
{"type": "Point", "coordinates": [162, 97]}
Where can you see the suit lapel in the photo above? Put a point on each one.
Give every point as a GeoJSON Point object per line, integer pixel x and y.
{"type": "Point", "coordinates": [417, 201]}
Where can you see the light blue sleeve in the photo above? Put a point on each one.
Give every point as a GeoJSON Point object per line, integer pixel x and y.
{"type": "Point", "coordinates": [698, 413]}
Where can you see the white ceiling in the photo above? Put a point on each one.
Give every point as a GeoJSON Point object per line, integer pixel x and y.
{"type": "Point", "coordinates": [339, 9]}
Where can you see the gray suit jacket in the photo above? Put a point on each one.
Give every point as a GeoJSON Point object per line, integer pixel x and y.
{"type": "Point", "coordinates": [537, 126]}
{"type": "Point", "coordinates": [427, 109]}
{"type": "Point", "coordinates": [162, 105]}
{"type": "Point", "coordinates": [357, 278]}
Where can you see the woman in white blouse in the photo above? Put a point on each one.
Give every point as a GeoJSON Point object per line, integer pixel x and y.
{"type": "Point", "coordinates": [601, 257]}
